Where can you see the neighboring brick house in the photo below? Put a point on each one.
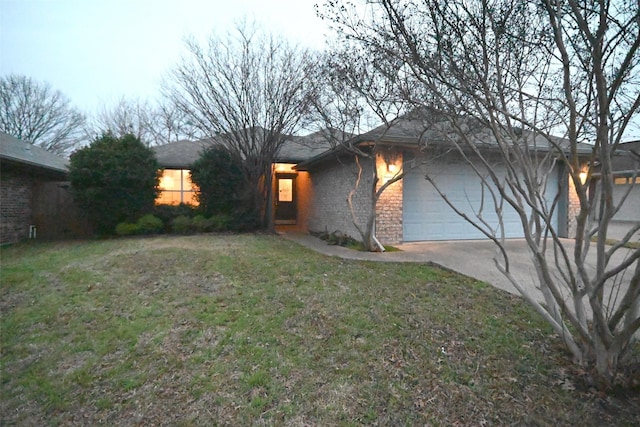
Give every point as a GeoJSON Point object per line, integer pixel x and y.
{"type": "Point", "coordinates": [34, 195]}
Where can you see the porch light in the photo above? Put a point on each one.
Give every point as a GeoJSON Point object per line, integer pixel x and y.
{"type": "Point", "coordinates": [583, 177]}
{"type": "Point", "coordinates": [392, 168]}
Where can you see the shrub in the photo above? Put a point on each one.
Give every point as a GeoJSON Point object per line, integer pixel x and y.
{"type": "Point", "coordinates": [167, 213]}
{"type": "Point", "coordinates": [202, 224]}
{"type": "Point", "coordinates": [221, 184]}
{"type": "Point", "coordinates": [221, 222]}
{"type": "Point", "coordinates": [182, 224]}
{"type": "Point", "coordinates": [127, 229]}
{"type": "Point", "coordinates": [150, 224]}
{"type": "Point", "coordinates": [114, 180]}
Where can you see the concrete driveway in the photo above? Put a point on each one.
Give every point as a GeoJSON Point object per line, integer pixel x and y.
{"type": "Point", "coordinates": [472, 258]}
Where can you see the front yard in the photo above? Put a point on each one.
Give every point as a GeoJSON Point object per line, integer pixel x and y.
{"type": "Point", "coordinates": [252, 329]}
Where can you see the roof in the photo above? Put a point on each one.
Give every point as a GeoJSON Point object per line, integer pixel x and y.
{"type": "Point", "coordinates": [300, 148]}
{"type": "Point", "coordinates": [419, 130]}
{"type": "Point", "coordinates": [295, 149]}
{"type": "Point", "coordinates": [626, 157]}
{"type": "Point", "coordinates": [16, 151]}
{"type": "Point", "coordinates": [180, 154]}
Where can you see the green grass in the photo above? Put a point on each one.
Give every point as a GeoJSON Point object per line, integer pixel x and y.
{"type": "Point", "coordinates": [253, 329]}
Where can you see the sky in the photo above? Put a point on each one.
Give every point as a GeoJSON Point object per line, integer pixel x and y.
{"type": "Point", "coordinates": [98, 51]}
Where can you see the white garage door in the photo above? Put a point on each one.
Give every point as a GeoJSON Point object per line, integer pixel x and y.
{"type": "Point", "coordinates": [630, 210]}
{"type": "Point", "coordinates": [426, 216]}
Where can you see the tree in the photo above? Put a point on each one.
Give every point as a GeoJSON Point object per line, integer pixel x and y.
{"type": "Point", "coordinates": [353, 96]}
{"type": "Point", "coordinates": [248, 91]}
{"type": "Point", "coordinates": [114, 180]}
{"type": "Point", "coordinates": [35, 113]}
{"type": "Point", "coordinates": [538, 79]}
{"type": "Point", "coordinates": [150, 123]}
{"type": "Point", "coordinates": [222, 188]}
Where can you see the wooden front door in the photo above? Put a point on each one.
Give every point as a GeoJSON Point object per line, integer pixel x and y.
{"type": "Point", "coordinates": [286, 205]}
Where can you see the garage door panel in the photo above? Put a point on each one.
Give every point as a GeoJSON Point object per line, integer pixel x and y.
{"type": "Point", "coordinates": [426, 216]}
{"type": "Point", "coordinates": [630, 209]}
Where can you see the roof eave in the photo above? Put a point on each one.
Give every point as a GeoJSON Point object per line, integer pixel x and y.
{"type": "Point", "coordinates": [64, 172]}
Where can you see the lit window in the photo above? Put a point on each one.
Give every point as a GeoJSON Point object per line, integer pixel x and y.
{"type": "Point", "coordinates": [620, 181]}
{"type": "Point", "coordinates": [176, 187]}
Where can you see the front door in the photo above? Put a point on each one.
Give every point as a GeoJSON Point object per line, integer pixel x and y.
{"type": "Point", "coordinates": [286, 209]}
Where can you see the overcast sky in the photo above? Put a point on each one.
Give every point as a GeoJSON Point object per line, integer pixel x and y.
{"type": "Point", "coordinates": [96, 51]}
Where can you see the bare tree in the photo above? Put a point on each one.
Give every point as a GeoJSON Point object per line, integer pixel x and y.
{"type": "Point", "coordinates": [353, 97]}
{"type": "Point", "coordinates": [35, 113]}
{"type": "Point", "coordinates": [248, 91]}
{"type": "Point", "coordinates": [516, 75]}
{"type": "Point", "coordinates": [152, 124]}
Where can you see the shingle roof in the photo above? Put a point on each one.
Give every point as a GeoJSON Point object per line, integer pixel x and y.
{"type": "Point", "coordinates": [417, 129]}
{"type": "Point", "coordinates": [300, 148]}
{"type": "Point", "coordinates": [17, 151]}
{"type": "Point", "coordinates": [181, 154]}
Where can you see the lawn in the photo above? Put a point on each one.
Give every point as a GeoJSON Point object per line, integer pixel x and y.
{"type": "Point", "coordinates": [256, 330]}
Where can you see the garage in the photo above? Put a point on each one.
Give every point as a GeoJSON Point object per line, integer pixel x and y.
{"type": "Point", "coordinates": [630, 209]}
{"type": "Point", "coordinates": [426, 216]}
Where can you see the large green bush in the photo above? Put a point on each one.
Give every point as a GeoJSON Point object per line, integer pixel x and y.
{"type": "Point", "coordinates": [114, 180]}
{"type": "Point", "coordinates": [222, 188]}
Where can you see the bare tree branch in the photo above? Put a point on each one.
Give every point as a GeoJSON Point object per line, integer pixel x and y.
{"type": "Point", "coordinates": [35, 113]}
{"type": "Point", "coordinates": [248, 91]}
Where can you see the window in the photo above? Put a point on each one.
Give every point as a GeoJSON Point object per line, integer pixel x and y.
{"type": "Point", "coordinates": [624, 180]}
{"type": "Point", "coordinates": [176, 188]}
{"type": "Point", "coordinates": [620, 181]}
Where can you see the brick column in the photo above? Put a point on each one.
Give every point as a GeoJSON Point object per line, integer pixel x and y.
{"type": "Point", "coordinates": [389, 206]}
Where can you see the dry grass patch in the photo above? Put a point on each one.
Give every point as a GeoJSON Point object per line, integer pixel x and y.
{"type": "Point", "coordinates": [251, 329]}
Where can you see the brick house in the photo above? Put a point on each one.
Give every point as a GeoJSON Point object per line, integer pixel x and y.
{"type": "Point", "coordinates": [291, 187]}
{"type": "Point", "coordinates": [35, 201]}
{"type": "Point", "coordinates": [312, 183]}
{"type": "Point", "coordinates": [412, 209]}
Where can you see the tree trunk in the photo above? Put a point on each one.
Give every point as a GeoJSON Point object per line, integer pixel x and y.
{"type": "Point", "coordinates": [606, 362]}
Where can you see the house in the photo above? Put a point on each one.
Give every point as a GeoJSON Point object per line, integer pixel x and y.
{"type": "Point", "coordinates": [291, 188]}
{"type": "Point", "coordinates": [312, 184]}
{"type": "Point", "coordinates": [412, 209]}
{"type": "Point", "coordinates": [35, 200]}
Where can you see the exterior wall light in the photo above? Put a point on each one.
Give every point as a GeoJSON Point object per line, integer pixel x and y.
{"type": "Point", "coordinates": [583, 177]}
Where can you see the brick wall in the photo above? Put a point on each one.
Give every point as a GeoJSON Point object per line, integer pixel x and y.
{"type": "Point", "coordinates": [305, 196]}
{"type": "Point", "coordinates": [573, 209]}
{"type": "Point", "coordinates": [16, 193]}
{"type": "Point", "coordinates": [389, 206]}
{"type": "Point", "coordinates": [331, 183]}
